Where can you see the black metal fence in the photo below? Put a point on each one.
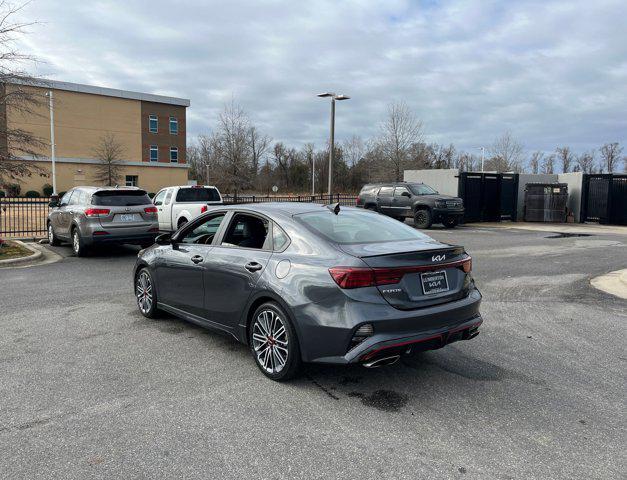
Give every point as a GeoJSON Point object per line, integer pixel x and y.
{"type": "Point", "coordinates": [604, 198]}
{"type": "Point", "coordinates": [23, 217]}
{"type": "Point", "coordinates": [26, 217]}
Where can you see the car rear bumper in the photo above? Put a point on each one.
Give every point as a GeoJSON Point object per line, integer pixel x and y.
{"type": "Point", "coordinates": [133, 235]}
{"type": "Point", "coordinates": [394, 330]}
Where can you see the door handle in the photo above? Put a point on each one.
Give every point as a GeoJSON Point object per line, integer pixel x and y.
{"type": "Point", "coordinates": [253, 267]}
{"type": "Point", "coordinates": [197, 259]}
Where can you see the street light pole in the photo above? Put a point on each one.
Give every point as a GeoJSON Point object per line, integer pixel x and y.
{"type": "Point", "coordinates": [52, 145]}
{"type": "Point", "coordinates": [482, 155]}
{"type": "Point", "coordinates": [334, 97]}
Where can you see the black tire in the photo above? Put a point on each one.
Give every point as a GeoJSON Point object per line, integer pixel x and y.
{"type": "Point", "coordinates": [371, 207]}
{"type": "Point", "coordinates": [270, 316]}
{"type": "Point", "coordinates": [142, 293]}
{"type": "Point", "coordinates": [450, 222]}
{"type": "Point", "coordinates": [78, 245]}
{"type": "Point", "coordinates": [400, 219]}
{"type": "Point", "coordinates": [422, 218]}
{"type": "Point", "coordinates": [52, 238]}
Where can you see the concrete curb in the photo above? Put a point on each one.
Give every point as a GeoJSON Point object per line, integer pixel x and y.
{"type": "Point", "coordinates": [575, 228]}
{"type": "Point", "coordinates": [614, 283]}
{"type": "Point", "coordinates": [36, 255]}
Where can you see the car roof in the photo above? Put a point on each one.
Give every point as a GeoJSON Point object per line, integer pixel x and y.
{"type": "Point", "coordinates": [282, 208]}
{"type": "Point", "coordinates": [101, 189]}
{"type": "Point", "coordinates": [391, 184]}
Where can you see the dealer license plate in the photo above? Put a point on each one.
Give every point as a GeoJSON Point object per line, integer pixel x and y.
{"type": "Point", "coordinates": [434, 282]}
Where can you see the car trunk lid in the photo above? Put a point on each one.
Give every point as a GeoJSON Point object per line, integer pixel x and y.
{"type": "Point", "coordinates": [126, 208]}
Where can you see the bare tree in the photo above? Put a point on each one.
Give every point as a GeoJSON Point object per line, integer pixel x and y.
{"type": "Point", "coordinates": [259, 145]}
{"type": "Point", "coordinates": [17, 97]}
{"type": "Point", "coordinates": [585, 162]}
{"type": "Point", "coordinates": [610, 155]}
{"type": "Point", "coordinates": [535, 161]}
{"type": "Point", "coordinates": [109, 152]}
{"type": "Point", "coordinates": [400, 129]}
{"type": "Point", "coordinates": [566, 158]}
{"type": "Point", "coordinates": [548, 164]}
{"type": "Point", "coordinates": [506, 154]}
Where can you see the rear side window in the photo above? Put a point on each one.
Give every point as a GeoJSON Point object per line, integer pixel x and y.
{"type": "Point", "coordinates": [197, 195]}
{"type": "Point", "coordinates": [116, 198]}
{"type": "Point", "coordinates": [386, 191]}
{"type": "Point", "coordinates": [358, 227]}
{"type": "Point", "coordinates": [369, 190]}
{"type": "Point", "coordinates": [279, 237]}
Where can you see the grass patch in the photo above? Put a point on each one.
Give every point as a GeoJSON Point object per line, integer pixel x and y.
{"type": "Point", "coordinates": [13, 250]}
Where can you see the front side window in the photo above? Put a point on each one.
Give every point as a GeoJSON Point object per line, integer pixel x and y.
{"type": "Point", "coordinates": [158, 200]}
{"type": "Point", "coordinates": [204, 233]}
{"type": "Point", "coordinates": [65, 200]}
{"type": "Point", "coordinates": [76, 198]}
{"type": "Point", "coordinates": [398, 191]}
{"type": "Point", "coordinates": [154, 153]}
{"type": "Point", "coordinates": [174, 154]}
{"type": "Point", "coordinates": [358, 227]}
{"type": "Point", "coordinates": [174, 126]}
{"type": "Point", "coordinates": [153, 123]}
{"type": "Point", "coordinates": [131, 180]}
{"type": "Point", "coordinates": [247, 231]}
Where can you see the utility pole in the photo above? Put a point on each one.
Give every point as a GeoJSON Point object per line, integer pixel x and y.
{"type": "Point", "coordinates": [334, 97]}
{"type": "Point", "coordinates": [52, 145]}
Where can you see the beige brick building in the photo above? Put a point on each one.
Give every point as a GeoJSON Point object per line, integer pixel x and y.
{"type": "Point", "coordinates": [150, 129]}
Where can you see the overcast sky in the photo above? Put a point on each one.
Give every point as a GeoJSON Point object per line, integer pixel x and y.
{"type": "Point", "coordinates": [552, 73]}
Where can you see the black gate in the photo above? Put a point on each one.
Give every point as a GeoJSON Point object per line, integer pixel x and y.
{"type": "Point", "coordinates": [604, 198]}
{"type": "Point", "coordinates": [489, 197]}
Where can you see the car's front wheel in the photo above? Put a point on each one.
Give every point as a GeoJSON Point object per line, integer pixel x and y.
{"type": "Point", "coordinates": [145, 294]}
{"type": "Point", "coordinates": [273, 342]}
{"type": "Point", "coordinates": [78, 245]}
{"type": "Point", "coordinates": [422, 218]}
{"type": "Point", "coordinates": [52, 238]}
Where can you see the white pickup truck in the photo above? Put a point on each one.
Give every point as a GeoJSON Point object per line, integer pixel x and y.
{"type": "Point", "coordinates": [178, 205]}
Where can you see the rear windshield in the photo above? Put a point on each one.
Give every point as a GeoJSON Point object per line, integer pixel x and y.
{"type": "Point", "coordinates": [351, 226]}
{"type": "Point", "coordinates": [422, 189]}
{"type": "Point", "coordinates": [113, 198]}
{"type": "Point", "coordinates": [197, 195]}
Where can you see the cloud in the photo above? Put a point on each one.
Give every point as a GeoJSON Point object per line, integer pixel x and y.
{"type": "Point", "coordinates": [552, 73]}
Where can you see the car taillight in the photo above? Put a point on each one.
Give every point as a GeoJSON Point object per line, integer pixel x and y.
{"type": "Point", "coordinates": [203, 209]}
{"type": "Point", "coordinates": [96, 212]}
{"type": "Point", "coordinates": [357, 277]}
{"type": "Point", "coordinates": [467, 265]}
{"type": "Point", "coordinates": [150, 209]}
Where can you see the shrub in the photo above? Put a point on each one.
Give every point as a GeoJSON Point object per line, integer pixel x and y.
{"type": "Point", "coordinates": [13, 189]}
{"type": "Point", "coordinates": [151, 194]}
{"type": "Point", "coordinates": [61, 194]}
{"type": "Point", "coordinates": [2, 194]}
{"type": "Point", "coordinates": [47, 189]}
{"type": "Point", "coordinates": [32, 194]}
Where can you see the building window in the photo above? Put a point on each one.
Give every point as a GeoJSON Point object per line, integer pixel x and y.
{"type": "Point", "coordinates": [153, 124]}
{"type": "Point", "coordinates": [174, 155]}
{"type": "Point", "coordinates": [131, 180]}
{"type": "Point", "coordinates": [174, 126]}
{"type": "Point", "coordinates": [154, 153]}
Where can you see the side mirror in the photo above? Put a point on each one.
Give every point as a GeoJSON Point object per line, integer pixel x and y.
{"type": "Point", "coordinates": [54, 201]}
{"type": "Point", "coordinates": [406, 194]}
{"type": "Point", "coordinates": [164, 239]}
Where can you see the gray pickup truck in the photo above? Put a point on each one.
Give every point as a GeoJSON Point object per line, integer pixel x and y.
{"type": "Point", "coordinates": [416, 200]}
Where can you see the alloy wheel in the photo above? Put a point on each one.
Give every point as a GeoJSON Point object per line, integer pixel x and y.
{"type": "Point", "coordinates": [143, 291]}
{"type": "Point", "coordinates": [50, 235]}
{"type": "Point", "coordinates": [270, 341]}
{"type": "Point", "coordinates": [76, 242]}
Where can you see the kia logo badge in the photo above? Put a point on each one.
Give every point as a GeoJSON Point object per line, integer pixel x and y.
{"type": "Point", "coordinates": [438, 258]}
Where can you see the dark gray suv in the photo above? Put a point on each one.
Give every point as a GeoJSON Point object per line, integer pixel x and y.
{"type": "Point", "coordinates": [416, 200]}
{"type": "Point", "coordinates": [89, 216]}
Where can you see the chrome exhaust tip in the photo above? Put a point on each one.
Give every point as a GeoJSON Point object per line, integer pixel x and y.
{"type": "Point", "coordinates": [379, 362]}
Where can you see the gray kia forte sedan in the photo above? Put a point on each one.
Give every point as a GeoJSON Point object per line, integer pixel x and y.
{"type": "Point", "coordinates": [301, 282]}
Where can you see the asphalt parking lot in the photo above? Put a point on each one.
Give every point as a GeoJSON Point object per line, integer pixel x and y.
{"type": "Point", "coordinates": [91, 389]}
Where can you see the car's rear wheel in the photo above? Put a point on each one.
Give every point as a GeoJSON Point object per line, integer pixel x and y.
{"type": "Point", "coordinates": [449, 222]}
{"type": "Point", "coordinates": [52, 238]}
{"type": "Point", "coordinates": [371, 207]}
{"type": "Point", "coordinates": [145, 294]}
{"type": "Point", "coordinates": [78, 245]}
{"type": "Point", "coordinates": [273, 342]}
{"type": "Point", "coordinates": [422, 218]}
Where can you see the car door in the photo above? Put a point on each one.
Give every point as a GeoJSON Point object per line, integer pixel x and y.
{"type": "Point", "coordinates": [180, 270]}
{"type": "Point", "coordinates": [235, 266]}
{"type": "Point", "coordinates": [384, 200]}
{"type": "Point", "coordinates": [62, 227]}
{"type": "Point", "coordinates": [158, 202]}
{"type": "Point", "coordinates": [401, 202]}
{"type": "Point", "coordinates": [168, 221]}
